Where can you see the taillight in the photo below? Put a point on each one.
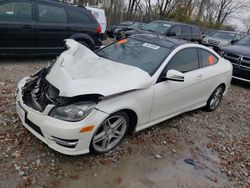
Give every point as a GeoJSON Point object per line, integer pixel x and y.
{"type": "Point", "coordinates": [99, 29]}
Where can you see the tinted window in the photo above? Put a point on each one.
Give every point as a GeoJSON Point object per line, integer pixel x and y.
{"type": "Point", "coordinates": [245, 41]}
{"type": "Point", "coordinates": [79, 17]}
{"type": "Point", "coordinates": [186, 30]}
{"type": "Point", "coordinates": [16, 11]}
{"type": "Point", "coordinates": [160, 27]}
{"type": "Point", "coordinates": [184, 61]}
{"type": "Point", "coordinates": [207, 58]}
{"type": "Point", "coordinates": [177, 30]}
{"type": "Point", "coordinates": [195, 31]}
{"type": "Point", "coordinates": [51, 14]}
{"type": "Point", "coordinates": [144, 55]}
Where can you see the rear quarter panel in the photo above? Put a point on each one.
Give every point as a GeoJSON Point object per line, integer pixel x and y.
{"type": "Point", "coordinates": [218, 74]}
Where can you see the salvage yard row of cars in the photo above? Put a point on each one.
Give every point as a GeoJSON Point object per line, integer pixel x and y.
{"type": "Point", "coordinates": [90, 99]}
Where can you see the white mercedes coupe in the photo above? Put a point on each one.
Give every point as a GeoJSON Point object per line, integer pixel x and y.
{"type": "Point", "coordinates": [87, 102]}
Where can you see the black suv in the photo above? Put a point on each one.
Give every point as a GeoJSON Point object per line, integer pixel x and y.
{"type": "Point", "coordinates": [40, 26]}
{"type": "Point", "coordinates": [170, 29]}
{"type": "Point", "coordinates": [239, 55]}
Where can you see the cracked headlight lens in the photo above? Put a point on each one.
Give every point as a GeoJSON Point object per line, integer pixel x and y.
{"type": "Point", "coordinates": [73, 112]}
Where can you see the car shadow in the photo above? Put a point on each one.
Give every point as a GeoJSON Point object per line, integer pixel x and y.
{"type": "Point", "coordinates": [245, 85]}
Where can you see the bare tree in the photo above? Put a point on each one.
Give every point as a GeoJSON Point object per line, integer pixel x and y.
{"type": "Point", "coordinates": [228, 7]}
{"type": "Point", "coordinates": [246, 22]}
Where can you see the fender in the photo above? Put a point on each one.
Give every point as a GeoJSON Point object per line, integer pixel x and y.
{"type": "Point", "coordinates": [84, 37]}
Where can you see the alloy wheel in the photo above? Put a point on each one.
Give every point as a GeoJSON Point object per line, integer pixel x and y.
{"type": "Point", "coordinates": [216, 98]}
{"type": "Point", "coordinates": [109, 134]}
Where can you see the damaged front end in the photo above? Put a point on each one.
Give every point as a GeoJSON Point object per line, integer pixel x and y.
{"type": "Point", "coordinates": [38, 93]}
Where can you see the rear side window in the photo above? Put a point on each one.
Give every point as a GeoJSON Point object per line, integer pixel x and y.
{"type": "Point", "coordinates": [184, 61]}
{"type": "Point", "coordinates": [195, 31]}
{"type": "Point", "coordinates": [51, 14]}
{"type": "Point", "coordinates": [207, 58]}
{"type": "Point", "coordinates": [20, 11]}
{"type": "Point", "coordinates": [186, 30]}
{"type": "Point", "coordinates": [78, 17]}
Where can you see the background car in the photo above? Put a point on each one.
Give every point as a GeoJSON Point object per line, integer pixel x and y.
{"type": "Point", "coordinates": [41, 26]}
{"type": "Point", "coordinates": [119, 32]}
{"type": "Point", "coordinates": [99, 14]}
{"type": "Point", "coordinates": [170, 29]}
{"type": "Point", "coordinates": [79, 105]}
{"type": "Point", "coordinates": [239, 55]}
{"type": "Point", "coordinates": [111, 29]}
{"type": "Point", "coordinates": [222, 38]}
{"type": "Point", "coordinates": [208, 33]}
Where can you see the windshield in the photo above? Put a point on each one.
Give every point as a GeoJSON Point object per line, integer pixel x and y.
{"type": "Point", "coordinates": [126, 23]}
{"type": "Point", "coordinates": [140, 54]}
{"type": "Point", "coordinates": [245, 41]}
{"type": "Point", "coordinates": [158, 27]}
{"type": "Point", "coordinates": [222, 35]}
{"type": "Point", "coordinates": [135, 26]}
{"type": "Point", "coordinates": [209, 32]}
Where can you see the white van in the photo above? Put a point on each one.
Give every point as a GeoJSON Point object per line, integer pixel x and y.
{"type": "Point", "coordinates": [99, 14]}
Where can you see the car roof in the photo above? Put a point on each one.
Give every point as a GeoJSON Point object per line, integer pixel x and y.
{"type": "Point", "coordinates": [58, 2]}
{"type": "Point", "coordinates": [175, 23]}
{"type": "Point", "coordinates": [159, 40]}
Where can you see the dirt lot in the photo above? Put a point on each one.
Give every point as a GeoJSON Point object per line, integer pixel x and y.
{"type": "Point", "coordinates": [196, 149]}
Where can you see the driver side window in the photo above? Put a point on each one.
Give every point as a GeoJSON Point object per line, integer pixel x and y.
{"type": "Point", "coordinates": [184, 61]}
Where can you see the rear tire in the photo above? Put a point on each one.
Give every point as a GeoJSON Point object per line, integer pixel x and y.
{"type": "Point", "coordinates": [215, 99]}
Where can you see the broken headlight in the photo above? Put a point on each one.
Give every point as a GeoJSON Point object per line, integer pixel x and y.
{"type": "Point", "coordinates": [73, 112]}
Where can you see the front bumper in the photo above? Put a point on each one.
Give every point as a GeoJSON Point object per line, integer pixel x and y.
{"type": "Point", "coordinates": [59, 135]}
{"type": "Point", "coordinates": [241, 73]}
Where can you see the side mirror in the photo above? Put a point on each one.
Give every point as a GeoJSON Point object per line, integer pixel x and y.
{"type": "Point", "coordinates": [171, 34]}
{"type": "Point", "coordinates": [174, 75]}
{"type": "Point", "coordinates": [234, 41]}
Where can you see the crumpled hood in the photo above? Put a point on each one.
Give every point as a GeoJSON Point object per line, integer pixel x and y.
{"type": "Point", "coordinates": [238, 49]}
{"type": "Point", "coordinates": [79, 71]}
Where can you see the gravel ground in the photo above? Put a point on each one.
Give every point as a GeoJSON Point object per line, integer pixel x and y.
{"type": "Point", "coordinates": [196, 149]}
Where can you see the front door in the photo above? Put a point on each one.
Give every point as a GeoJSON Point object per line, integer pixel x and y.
{"type": "Point", "coordinates": [173, 97]}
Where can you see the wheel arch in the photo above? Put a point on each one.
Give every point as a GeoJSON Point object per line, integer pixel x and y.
{"type": "Point", "coordinates": [133, 118]}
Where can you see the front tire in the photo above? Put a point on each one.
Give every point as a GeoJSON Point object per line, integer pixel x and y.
{"type": "Point", "coordinates": [215, 99]}
{"type": "Point", "coordinates": [110, 133]}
